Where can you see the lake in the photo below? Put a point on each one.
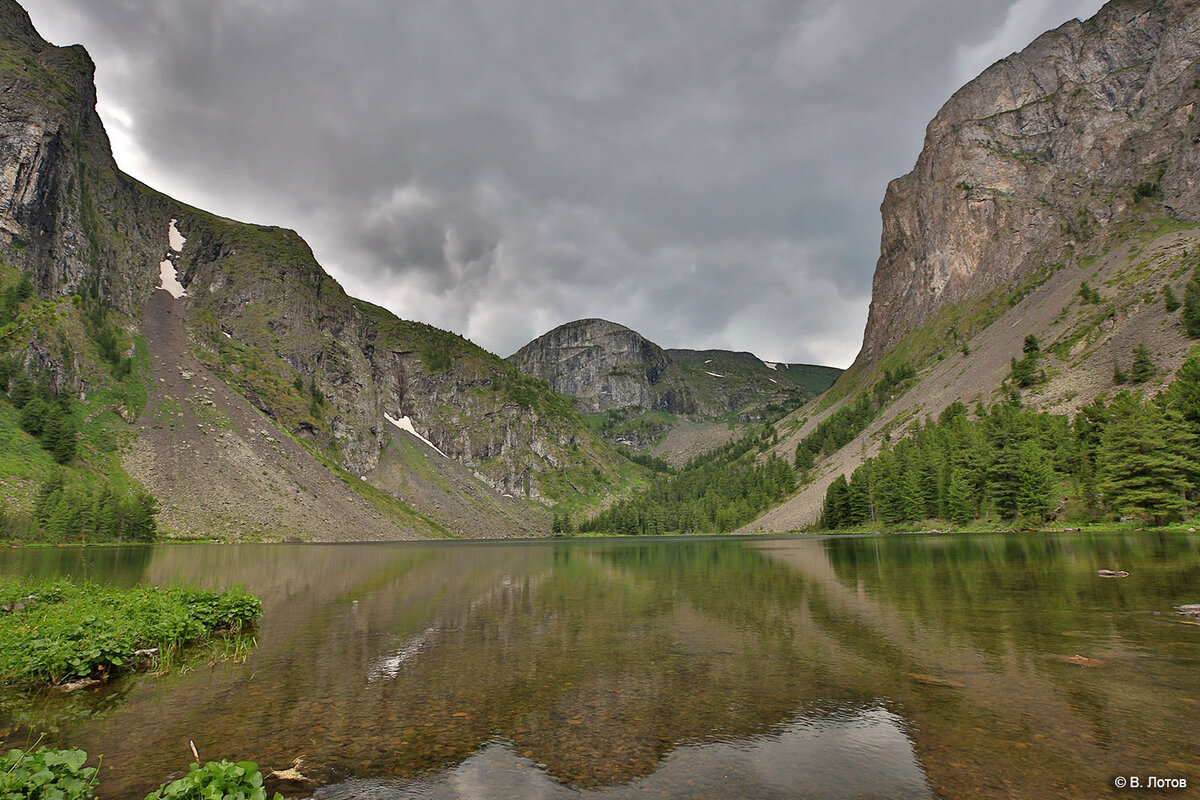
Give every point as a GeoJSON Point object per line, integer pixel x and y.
{"type": "Point", "coordinates": [911, 666]}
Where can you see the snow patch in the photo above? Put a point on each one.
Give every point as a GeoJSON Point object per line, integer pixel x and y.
{"type": "Point", "coordinates": [167, 277]}
{"type": "Point", "coordinates": [168, 280]}
{"type": "Point", "coordinates": [175, 239]}
{"type": "Point", "coordinates": [405, 424]}
{"type": "Point", "coordinates": [770, 364]}
{"type": "Point", "coordinates": [715, 375]}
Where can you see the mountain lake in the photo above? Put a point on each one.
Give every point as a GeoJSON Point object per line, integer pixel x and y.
{"type": "Point", "coordinates": [903, 666]}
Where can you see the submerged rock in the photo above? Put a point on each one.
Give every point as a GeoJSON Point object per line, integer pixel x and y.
{"type": "Point", "coordinates": [1082, 661]}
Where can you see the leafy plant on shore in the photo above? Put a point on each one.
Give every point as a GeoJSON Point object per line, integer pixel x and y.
{"type": "Point", "coordinates": [46, 774]}
{"type": "Point", "coordinates": [62, 630]}
{"type": "Point", "coordinates": [216, 780]}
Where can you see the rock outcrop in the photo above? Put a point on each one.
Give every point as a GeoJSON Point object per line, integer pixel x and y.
{"type": "Point", "coordinates": [609, 367]}
{"type": "Point", "coordinates": [604, 364]}
{"type": "Point", "coordinates": [1037, 160]}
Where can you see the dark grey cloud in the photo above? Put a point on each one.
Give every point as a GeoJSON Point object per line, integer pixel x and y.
{"type": "Point", "coordinates": [706, 172]}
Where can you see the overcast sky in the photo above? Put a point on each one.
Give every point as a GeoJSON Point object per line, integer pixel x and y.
{"type": "Point", "coordinates": [707, 172]}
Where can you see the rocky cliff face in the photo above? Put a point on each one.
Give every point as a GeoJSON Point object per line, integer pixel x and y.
{"type": "Point", "coordinates": [609, 367]}
{"type": "Point", "coordinates": [604, 364]}
{"type": "Point", "coordinates": [261, 312]}
{"type": "Point", "coordinates": [1039, 159]}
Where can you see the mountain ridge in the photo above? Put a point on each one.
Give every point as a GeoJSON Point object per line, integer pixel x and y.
{"type": "Point", "coordinates": [261, 314]}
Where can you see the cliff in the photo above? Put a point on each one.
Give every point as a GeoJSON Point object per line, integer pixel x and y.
{"type": "Point", "coordinates": [1036, 161]}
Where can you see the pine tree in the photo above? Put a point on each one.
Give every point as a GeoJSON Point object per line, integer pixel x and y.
{"type": "Point", "coordinates": [1143, 366]}
{"type": "Point", "coordinates": [1035, 493]}
{"type": "Point", "coordinates": [1191, 306]}
{"type": "Point", "coordinates": [1119, 376]}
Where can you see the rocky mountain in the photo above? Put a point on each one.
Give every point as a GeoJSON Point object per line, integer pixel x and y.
{"type": "Point", "coordinates": [1056, 197]}
{"type": "Point", "coordinates": [343, 379]}
{"type": "Point", "coordinates": [615, 371]}
{"type": "Point", "coordinates": [1036, 161]}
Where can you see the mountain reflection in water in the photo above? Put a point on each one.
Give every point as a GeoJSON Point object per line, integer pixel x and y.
{"type": "Point", "coordinates": [840, 755]}
{"type": "Point", "coordinates": [843, 667]}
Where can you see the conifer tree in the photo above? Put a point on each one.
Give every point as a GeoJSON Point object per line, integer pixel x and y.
{"type": "Point", "coordinates": [834, 512]}
{"type": "Point", "coordinates": [960, 498]}
{"type": "Point", "coordinates": [912, 499]}
{"type": "Point", "coordinates": [1143, 366]}
{"type": "Point", "coordinates": [1035, 477]}
{"type": "Point", "coordinates": [1170, 301]}
{"type": "Point", "coordinates": [1147, 460]}
{"type": "Point", "coordinates": [1191, 306]}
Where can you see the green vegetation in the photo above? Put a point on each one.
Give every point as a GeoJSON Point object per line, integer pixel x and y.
{"type": "Point", "coordinates": [1191, 305]}
{"type": "Point", "coordinates": [1128, 457]}
{"type": "Point", "coordinates": [47, 774]}
{"type": "Point", "coordinates": [1088, 295]}
{"type": "Point", "coordinates": [102, 514]}
{"type": "Point", "coordinates": [1025, 373]}
{"type": "Point", "coordinates": [1170, 301]}
{"type": "Point", "coordinates": [714, 493]}
{"type": "Point", "coordinates": [52, 774]}
{"type": "Point", "coordinates": [216, 780]}
{"type": "Point", "coordinates": [62, 630]}
{"type": "Point", "coordinates": [1143, 368]}
{"type": "Point", "coordinates": [60, 449]}
{"type": "Point", "coordinates": [840, 427]}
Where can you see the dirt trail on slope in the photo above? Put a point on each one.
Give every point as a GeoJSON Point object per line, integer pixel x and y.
{"type": "Point", "coordinates": [219, 468]}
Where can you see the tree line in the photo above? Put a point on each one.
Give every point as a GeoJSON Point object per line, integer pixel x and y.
{"type": "Point", "coordinates": [1124, 457]}
{"type": "Point", "coordinates": [716, 492]}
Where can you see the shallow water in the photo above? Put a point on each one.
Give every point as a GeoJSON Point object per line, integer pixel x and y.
{"type": "Point", "coordinates": [844, 667]}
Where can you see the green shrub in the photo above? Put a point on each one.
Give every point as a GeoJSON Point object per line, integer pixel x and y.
{"type": "Point", "coordinates": [46, 774]}
{"type": "Point", "coordinates": [216, 780]}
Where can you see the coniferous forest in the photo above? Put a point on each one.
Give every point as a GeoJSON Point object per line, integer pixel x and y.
{"type": "Point", "coordinates": [714, 493]}
{"type": "Point", "coordinates": [1125, 457]}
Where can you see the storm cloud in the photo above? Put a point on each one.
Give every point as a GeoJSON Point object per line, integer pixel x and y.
{"type": "Point", "coordinates": [706, 172]}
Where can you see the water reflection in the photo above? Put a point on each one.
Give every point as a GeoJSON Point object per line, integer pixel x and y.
{"type": "Point", "coordinates": [874, 667]}
{"type": "Point", "coordinates": [836, 755]}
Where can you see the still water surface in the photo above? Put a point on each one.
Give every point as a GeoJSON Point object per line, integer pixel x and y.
{"type": "Point", "coordinates": [844, 667]}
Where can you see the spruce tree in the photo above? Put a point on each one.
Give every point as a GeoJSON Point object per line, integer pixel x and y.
{"type": "Point", "coordinates": [1146, 460]}
{"type": "Point", "coordinates": [1191, 306]}
{"type": "Point", "coordinates": [1035, 478]}
{"type": "Point", "coordinates": [1143, 366]}
{"type": "Point", "coordinates": [1170, 301]}
{"type": "Point", "coordinates": [960, 497]}
{"type": "Point", "coordinates": [836, 497]}
{"type": "Point", "coordinates": [912, 498]}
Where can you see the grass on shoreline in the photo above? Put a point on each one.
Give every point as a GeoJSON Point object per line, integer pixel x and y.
{"type": "Point", "coordinates": [62, 630]}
